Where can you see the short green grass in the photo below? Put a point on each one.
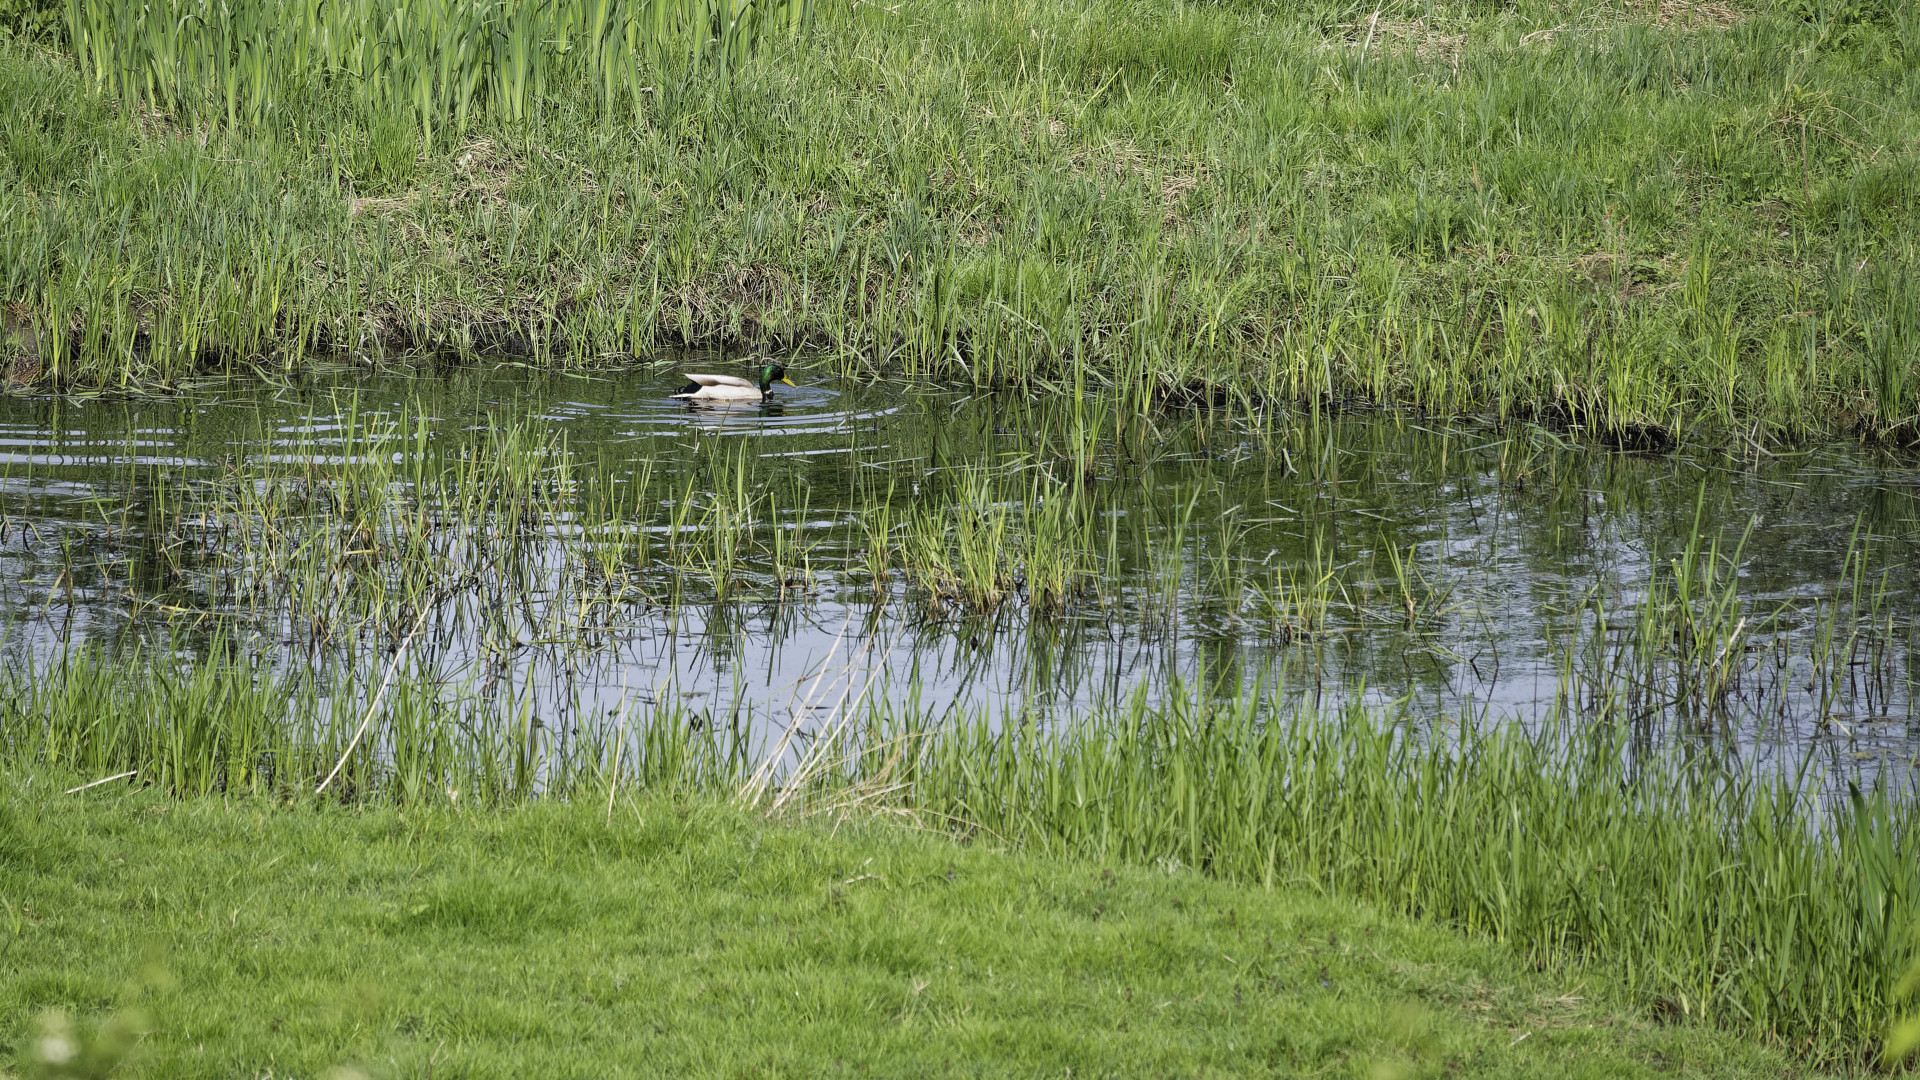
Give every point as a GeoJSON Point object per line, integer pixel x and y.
{"type": "Point", "coordinates": [656, 937]}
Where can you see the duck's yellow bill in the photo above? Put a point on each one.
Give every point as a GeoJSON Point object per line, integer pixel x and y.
{"type": "Point", "coordinates": [788, 381]}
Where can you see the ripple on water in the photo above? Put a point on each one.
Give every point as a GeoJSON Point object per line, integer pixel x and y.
{"type": "Point", "coordinates": [1511, 561]}
{"type": "Point", "coordinates": [793, 411]}
{"type": "Point", "coordinates": [86, 436]}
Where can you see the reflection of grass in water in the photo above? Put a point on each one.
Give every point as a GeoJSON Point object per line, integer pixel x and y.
{"type": "Point", "coordinates": [341, 536]}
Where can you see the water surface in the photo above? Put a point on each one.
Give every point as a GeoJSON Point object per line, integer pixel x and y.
{"type": "Point", "coordinates": [1452, 567]}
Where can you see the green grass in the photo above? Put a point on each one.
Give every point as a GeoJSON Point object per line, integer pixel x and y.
{"type": "Point", "coordinates": [1642, 221]}
{"type": "Point", "coordinates": [1713, 891]}
{"type": "Point", "coordinates": [685, 938]}
{"type": "Point", "coordinates": [1717, 892]}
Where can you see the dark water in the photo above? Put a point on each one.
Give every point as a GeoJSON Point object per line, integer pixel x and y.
{"type": "Point", "coordinates": [1226, 549]}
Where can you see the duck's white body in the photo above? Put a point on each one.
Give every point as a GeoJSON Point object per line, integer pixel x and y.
{"type": "Point", "coordinates": [720, 388]}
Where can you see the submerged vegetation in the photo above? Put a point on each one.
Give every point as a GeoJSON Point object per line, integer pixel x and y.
{"type": "Point", "coordinates": [1642, 221]}
{"type": "Point", "coordinates": [1288, 548]}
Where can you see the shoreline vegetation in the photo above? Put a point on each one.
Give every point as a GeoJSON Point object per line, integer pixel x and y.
{"type": "Point", "coordinates": [1711, 893]}
{"type": "Point", "coordinates": [670, 935]}
{"type": "Point", "coordinates": [1647, 223]}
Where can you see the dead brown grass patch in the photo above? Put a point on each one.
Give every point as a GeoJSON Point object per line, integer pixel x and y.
{"type": "Point", "coordinates": [1394, 35]}
{"type": "Point", "coordinates": [1428, 39]}
{"type": "Point", "coordinates": [1687, 14]}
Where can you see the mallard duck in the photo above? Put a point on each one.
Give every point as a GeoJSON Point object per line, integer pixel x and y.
{"type": "Point", "coordinates": [732, 387]}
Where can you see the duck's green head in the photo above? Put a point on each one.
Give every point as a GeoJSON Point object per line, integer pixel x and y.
{"type": "Point", "coordinates": [771, 374]}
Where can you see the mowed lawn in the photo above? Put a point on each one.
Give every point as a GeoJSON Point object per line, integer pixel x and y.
{"type": "Point", "coordinates": [652, 936]}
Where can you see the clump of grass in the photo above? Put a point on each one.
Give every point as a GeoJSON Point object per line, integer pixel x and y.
{"type": "Point", "coordinates": [728, 522]}
{"type": "Point", "coordinates": [956, 551]}
{"type": "Point", "coordinates": [444, 63]}
{"type": "Point", "coordinates": [877, 544]}
{"type": "Point", "coordinates": [1058, 569]}
{"type": "Point", "coordinates": [993, 536]}
{"type": "Point", "coordinates": [1295, 602]}
{"type": "Point", "coordinates": [789, 547]}
{"type": "Point", "coordinates": [233, 724]}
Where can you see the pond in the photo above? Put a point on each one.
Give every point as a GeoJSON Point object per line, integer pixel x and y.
{"type": "Point", "coordinates": [571, 545]}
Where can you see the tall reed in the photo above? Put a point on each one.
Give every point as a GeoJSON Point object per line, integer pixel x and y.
{"type": "Point", "coordinates": [445, 63]}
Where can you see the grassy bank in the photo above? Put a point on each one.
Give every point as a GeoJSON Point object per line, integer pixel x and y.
{"type": "Point", "coordinates": [1645, 221]}
{"type": "Point", "coordinates": [1711, 892]}
{"type": "Point", "coordinates": [683, 938]}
